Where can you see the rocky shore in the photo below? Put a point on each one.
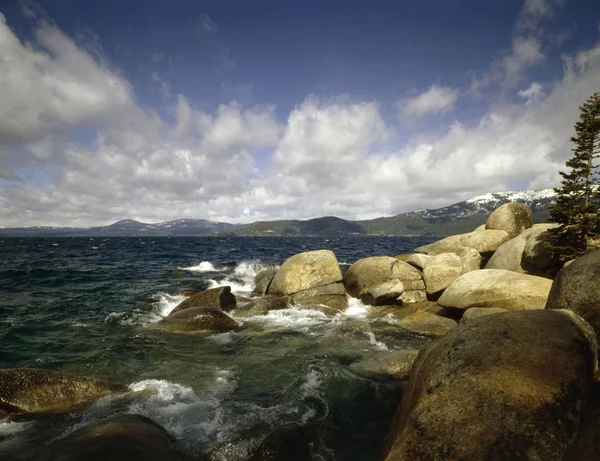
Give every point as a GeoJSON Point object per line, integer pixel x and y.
{"type": "Point", "coordinates": [512, 372]}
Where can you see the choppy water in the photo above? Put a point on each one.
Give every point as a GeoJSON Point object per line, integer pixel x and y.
{"type": "Point", "coordinates": [81, 305]}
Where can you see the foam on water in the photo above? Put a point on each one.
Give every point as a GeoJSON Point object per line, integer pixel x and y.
{"type": "Point", "coordinates": [163, 305]}
{"type": "Point", "coordinates": [355, 309]}
{"type": "Point", "coordinates": [241, 279]}
{"type": "Point", "coordinates": [294, 317]}
{"type": "Point", "coordinates": [204, 266]}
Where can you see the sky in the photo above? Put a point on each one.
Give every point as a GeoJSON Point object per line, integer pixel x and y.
{"type": "Point", "coordinates": [240, 111]}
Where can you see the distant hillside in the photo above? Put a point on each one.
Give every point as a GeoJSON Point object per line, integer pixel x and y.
{"type": "Point", "coordinates": [127, 228]}
{"type": "Point", "coordinates": [326, 227]}
{"type": "Point", "coordinates": [460, 217]}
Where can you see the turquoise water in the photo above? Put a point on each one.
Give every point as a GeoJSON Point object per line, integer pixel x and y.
{"type": "Point", "coordinates": [82, 306]}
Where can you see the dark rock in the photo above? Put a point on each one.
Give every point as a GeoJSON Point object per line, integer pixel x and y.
{"type": "Point", "coordinates": [31, 390]}
{"type": "Point", "coordinates": [331, 295]}
{"type": "Point", "coordinates": [123, 438]}
{"type": "Point", "coordinates": [509, 386]}
{"type": "Point", "coordinates": [577, 288]}
{"type": "Point", "coordinates": [220, 298]}
{"type": "Point", "coordinates": [197, 319]}
{"type": "Point", "coordinates": [264, 304]}
{"type": "Point", "coordinates": [262, 280]}
{"type": "Point", "coordinates": [288, 443]}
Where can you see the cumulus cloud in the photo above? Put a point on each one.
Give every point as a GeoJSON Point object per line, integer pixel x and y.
{"type": "Point", "coordinates": [53, 87]}
{"type": "Point", "coordinates": [436, 100]}
{"type": "Point", "coordinates": [328, 157]}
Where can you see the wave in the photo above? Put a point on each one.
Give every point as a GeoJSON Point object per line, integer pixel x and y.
{"type": "Point", "coordinates": [241, 279]}
{"type": "Point", "coordinates": [204, 266]}
{"type": "Point", "coordinates": [163, 305]}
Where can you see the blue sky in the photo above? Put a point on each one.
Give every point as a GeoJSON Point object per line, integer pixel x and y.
{"type": "Point", "coordinates": [240, 111]}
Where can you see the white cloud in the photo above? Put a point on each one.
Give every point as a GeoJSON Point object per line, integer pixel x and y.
{"type": "Point", "coordinates": [532, 93]}
{"type": "Point", "coordinates": [436, 100]}
{"type": "Point", "coordinates": [53, 87]}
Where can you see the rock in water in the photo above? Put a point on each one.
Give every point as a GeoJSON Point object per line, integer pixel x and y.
{"type": "Point", "coordinates": [476, 312]}
{"type": "Point", "coordinates": [375, 270]}
{"type": "Point", "coordinates": [331, 295]}
{"type": "Point", "coordinates": [426, 323]}
{"type": "Point", "coordinates": [513, 217]}
{"type": "Point", "coordinates": [306, 270]}
{"type": "Point", "coordinates": [497, 288]}
{"type": "Point", "coordinates": [286, 443]}
{"type": "Point", "coordinates": [31, 390]}
{"type": "Point", "coordinates": [386, 293]}
{"type": "Point", "coordinates": [264, 304]}
{"type": "Point", "coordinates": [577, 288]}
{"type": "Point", "coordinates": [508, 386]}
{"type": "Point", "coordinates": [123, 438]}
{"type": "Point", "coordinates": [262, 280]}
{"type": "Point", "coordinates": [197, 319]}
{"type": "Point", "coordinates": [220, 298]}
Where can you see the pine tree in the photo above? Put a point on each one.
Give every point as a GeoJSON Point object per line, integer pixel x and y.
{"type": "Point", "coordinates": [578, 199]}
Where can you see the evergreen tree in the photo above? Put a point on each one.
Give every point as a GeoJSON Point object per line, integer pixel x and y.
{"type": "Point", "coordinates": [578, 199]}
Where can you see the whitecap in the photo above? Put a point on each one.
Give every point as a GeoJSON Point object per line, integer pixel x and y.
{"type": "Point", "coordinates": [162, 307]}
{"type": "Point", "coordinates": [355, 309]}
{"type": "Point", "coordinates": [294, 317]}
{"type": "Point", "coordinates": [204, 266]}
{"type": "Point", "coordinates": [241, 279]}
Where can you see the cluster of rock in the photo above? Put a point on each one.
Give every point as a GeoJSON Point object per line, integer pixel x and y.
{"type": "Point", "coordinates": [513, 374]}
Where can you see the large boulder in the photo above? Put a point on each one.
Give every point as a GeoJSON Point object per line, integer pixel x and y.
{"type": "Point", "coordinates": [509, 386]}
{"type": "Point", "coordinates": [418, 260]}
{"type": "Point", "coordinates": [537, 258]}
{"type": "Point", "coordinates": [220, 298]}
{"type": "Point", "coordinates": [577, 288]}
{"type": "Point", "coordinates": [513, 217]}
{"type": "Point", "coordinates": [331, 295]}
{"type": "Point", "coordinates": [510, 254]}
{"type": "Point", "coordinates": [484, 241]}
{"type": "Point", "coordinates": [374, 270]}
{"type": "Point", "coordinates": [29, 390]}
{"type": "Point", "coordinates": [497, 288]}
{"type": "Point", "coordinates": [306, 270]}
{"type": "Point", "coordinates": [262, 280]}
{"type": "Point", "coordinates": [122, 438]}
{"type": "Point", "coordinates": [476, 312]}
{"type": "Point", "coordinates": [441, 271]}
{"type": "Point", "coordinates": [197, 319]}
{"type": "Point", "coordinates": [386, 293]}
{"type": "Point", "coordinates": [470, 258]}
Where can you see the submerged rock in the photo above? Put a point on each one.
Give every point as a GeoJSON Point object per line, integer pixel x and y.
{"type": "Point", "coordinates": [497, 288]}
{"type": "Point", "coordinates": [122, 438]}
{"type": "Point", "coordinates": [506, 386]}
{"type": "Point", "coordinates": [220, 298]}
{"type": "Point", "coordinates": [288, 443]}
{"type": "Point", "coordinates": [197, 319]}
{"type": "Point", "coordinates": [577, 288]}
{"type": "Point", "coordinates": [31, 390]}
{"type": "Point", "coordinates": [306, 270]}
{"type": "Point", "coordinates": [264, 304]}
{"type": "Point", "coordinates": [513, 217]}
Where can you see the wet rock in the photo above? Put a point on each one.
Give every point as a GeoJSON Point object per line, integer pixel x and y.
{"type": "Point", "coordinates": [122, 438]}
{"type": "Point", "coordinates": [441, 271]}
{"type": "Point", "coordinates": [375, 270]}
{"type": "Point", "coordinates": [505, 386]}
{"type": "Point", "coordinates": [353, 329]}
{"type": "Point", "coordinates": [423, 322]}
{"type": "Point", "coordinates": [398, 364]}
{"type": "Point", "coordinates": [262, 280]}
{"type": "Point", "coordinates": [382, 294]}
{"type": "Point", "coordinates": [331, 295]}
{"type": "Point", "coordinates": [32, 390]}
{"type": "Point", "coordinates": [220, 298]}
{"type": "Point", "coordinates": [496, 288]}
{"type": "Point", "coordinates": [485, 241]}
{"type": "Point", "coordinates": [577, 288]}
{"type": "Point", "coordinates": [476, 312]}
{"type": "Point", "coordinates": [264, 304]}
{"type": "Point", "coordinates": [197, 319]}
{"type": "Point", "coordinates": [288, 443]}
{"type": "Point", "coordinates": [306, 270]}
{"type": "Point", "coordinates": [513, 217]}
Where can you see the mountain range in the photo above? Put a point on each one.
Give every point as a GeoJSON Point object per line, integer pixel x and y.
{"type": "Point", "coordinates": [459, 217]}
